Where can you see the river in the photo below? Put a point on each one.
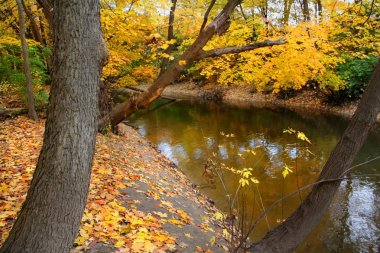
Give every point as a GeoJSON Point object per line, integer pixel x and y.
{"type": "Point", "coordinates": [189, 133]}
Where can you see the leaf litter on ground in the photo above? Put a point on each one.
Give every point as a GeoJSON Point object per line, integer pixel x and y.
{"type": "Point", "coordinates": [138, 201]}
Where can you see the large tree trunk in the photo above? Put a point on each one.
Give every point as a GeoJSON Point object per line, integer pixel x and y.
{"type": "Point", "coordinates": [296, 228]}
{"type": "Point", "coordinates": [28, 76]}
{"type": "Point", "coordinates": [50, 216]}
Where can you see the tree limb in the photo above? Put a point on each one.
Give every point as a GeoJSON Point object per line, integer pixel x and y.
{"type": "Point", "coordinates": [207, 13]}
{"type": "Point", "coordinates": [239, 49]}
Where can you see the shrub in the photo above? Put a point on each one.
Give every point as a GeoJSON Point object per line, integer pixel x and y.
{"type": "Point", "coordinates": [12, 78]}
{"type": "Point", "coordinates": [356, 73]}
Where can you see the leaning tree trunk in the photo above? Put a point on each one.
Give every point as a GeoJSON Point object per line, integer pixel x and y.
{"type": "Point", "coordinates": [295, 229]}
{"type": "Point", "coordinates": [51, 214]}
{"type": "Point", "coordinates": [28, 76]}
{"type": "Point", "coordinates": [193, 53]}
{"type": "Point", "coordinates": [167, 77]}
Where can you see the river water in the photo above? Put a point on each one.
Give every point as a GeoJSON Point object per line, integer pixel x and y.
{"type": "Point", "coordinates": [190, 133]}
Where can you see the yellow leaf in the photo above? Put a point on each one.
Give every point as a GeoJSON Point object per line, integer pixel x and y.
{"type": "Point", "coordinates": [119, 243]}
{"type": "Point", "coordinates": [212, 240]}
{"type": "Point", "coordinates": [218, 216]}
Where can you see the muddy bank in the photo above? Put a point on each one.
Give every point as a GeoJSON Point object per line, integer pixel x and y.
{"type": "Point", "coordinates": [304, 102]}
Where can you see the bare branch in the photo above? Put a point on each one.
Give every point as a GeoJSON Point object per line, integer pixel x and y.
{"type": "Point", "coordinates": [239, 49]}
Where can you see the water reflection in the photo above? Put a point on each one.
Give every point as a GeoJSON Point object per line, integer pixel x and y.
{"type": "Point", "coordinates": [189, 134]}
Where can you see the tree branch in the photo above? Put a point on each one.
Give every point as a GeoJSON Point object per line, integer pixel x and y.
{"type": "Point", "coordinates": [239, 49]}
{"type": "Point", "coordinates": [207, 13]}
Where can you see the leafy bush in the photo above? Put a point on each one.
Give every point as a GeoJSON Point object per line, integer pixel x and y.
{"type": "Point", "coordinates": [348, 80]}
{"type": "Point", "coordinates": [12, 77]}
{"type": "Point", "coordinates": [356, 74]}
{"type": "Point", "coordinates": [11, 62]}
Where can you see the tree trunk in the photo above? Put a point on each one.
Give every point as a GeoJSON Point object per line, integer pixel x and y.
{"type": "Point", "coordinates": [28, 76]}
{"type": "Point", "coordinates": [35, 29]}
{"type": "Point", "coordinates": [287, 8]}
{"type": "Point", "coordinates": [105, 101]}
{"type": "Point", "coordinates": [167, 77]}
{"type": "Point", "coordinates": [287, 236]}
{"type": "Point", "coordinates": [51, 214]}
{"type": "Point", "coordinates": [320, 10]}
{"type": "Point", "coordinates": [165, 61]}
{"type": "Point", "coordinates": [305, 10]}
{"type": "Point", "coordinates": [123, 110]}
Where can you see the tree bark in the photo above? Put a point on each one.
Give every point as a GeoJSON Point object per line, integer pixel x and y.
{"type": "Point", "coordinates": [287, 8]}
{"type": "Point", "coordinates": [171, 47]}
{"type": "Point", "coordinates": [287, 236]}
{"type": "Point", "coordinates": [320, 10]}
{"type": "Point", "coordinates": [28, 76]}
{"type": "Point", "coordinates": [171, 20]}
{"type": "Point", "coordinates": [51, 214]}
{"type": "Point", "coordinates": [305, 10]}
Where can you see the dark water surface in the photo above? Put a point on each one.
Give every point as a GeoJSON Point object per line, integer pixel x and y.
{"type": "Point", "coordinates": [189, 133]}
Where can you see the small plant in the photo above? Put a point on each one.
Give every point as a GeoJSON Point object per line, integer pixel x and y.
{"type": "Point", "coordinates": [238, 222]}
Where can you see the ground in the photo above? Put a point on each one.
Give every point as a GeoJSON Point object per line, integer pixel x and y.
{"type": "Point", "coordinates": [138, 201]}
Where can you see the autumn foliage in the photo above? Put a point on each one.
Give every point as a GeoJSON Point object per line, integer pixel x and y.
{"type": "Point", "coordinates": [345, 37]}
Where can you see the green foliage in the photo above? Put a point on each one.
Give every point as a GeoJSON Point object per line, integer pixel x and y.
{"type": "Point", "coordinates": [12, 77]}
{"type": "Point", "coordinates": [356, 72]}
{"type": "Point", "coordinates": [11, 64]}
{"type": "Point", "coordinates": [41, 97]}
{"type": "Point", "coordinates": [349, 79]}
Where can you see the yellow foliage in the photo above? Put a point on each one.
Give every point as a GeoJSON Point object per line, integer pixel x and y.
{"type": "Point", "coordinates": [126, 34]}
{"type": "Point", "coordinates": [312, 52]}
{"type": "Point", "coordinates": [15, 41]}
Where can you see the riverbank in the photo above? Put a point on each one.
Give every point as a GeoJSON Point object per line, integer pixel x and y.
{"type": "Point", "coordinates": [304, 102]}
{"type": "Point", "coordinates": [138, 200]}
